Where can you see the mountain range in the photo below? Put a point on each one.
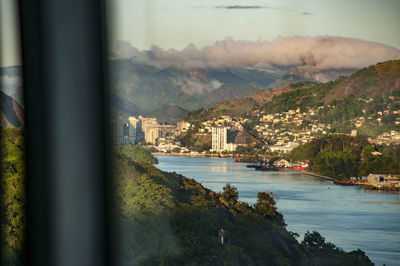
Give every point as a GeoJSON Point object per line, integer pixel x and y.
{"type": "Point", "coordinates": [147, 89]}
{"type": "Point", "coordinates": [169, 93]}
{"type": "Point", "coordinates": [382, 79]}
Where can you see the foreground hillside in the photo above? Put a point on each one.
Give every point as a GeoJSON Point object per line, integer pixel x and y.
{"type": "Point", "coordinates": [168, 219]}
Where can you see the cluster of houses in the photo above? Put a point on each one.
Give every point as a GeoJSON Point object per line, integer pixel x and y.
{"type": "Point", "coordinates": [281, 132]}
{"type": "Point", "coordinates": [287, 130]}
{"type": "Point", "coordinates": [392, 137]}
{"type": "Point", "coordinates": [378, 180]}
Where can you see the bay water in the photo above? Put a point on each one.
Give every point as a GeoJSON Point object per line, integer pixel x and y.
{"type": "Point", "coordinates": [348, 216]}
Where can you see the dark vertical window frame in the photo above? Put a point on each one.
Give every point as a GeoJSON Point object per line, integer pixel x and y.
{"type": "Point", "coordinates": [68, 182]}
{"type": "Point", "coordinates": [2, 209]}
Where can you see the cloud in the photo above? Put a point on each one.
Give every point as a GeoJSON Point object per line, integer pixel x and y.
{"type": "Point", "coordinates": [323, 52]}
{"type": "Point", "coordinates": [191, 86]}
{"type": "Point", "coordinates": [11, 80]}
{"type": "Point", "coordinates": [306, 13]}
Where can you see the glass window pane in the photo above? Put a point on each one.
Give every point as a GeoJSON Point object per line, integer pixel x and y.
{"type": "Point", "coordinates": [256, 132]}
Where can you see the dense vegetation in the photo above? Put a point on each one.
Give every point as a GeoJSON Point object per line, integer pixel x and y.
{"type": "Point", "coordinates": [135, 153]}
{"type": "Point", "coordinates": [342, 156]}
{"type": "Point", "coordinates": [12, 195]}
{"type": "Point", "coordinates": [168, 219]}
{"type": "Point", "coordinates": [195, 141]}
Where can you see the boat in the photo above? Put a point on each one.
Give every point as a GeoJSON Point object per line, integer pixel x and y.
{"type": "Point", "coordinates": [342, 183]}
{"type": "Point", "coordinates": [267, 168]}
{"type": "Point", "coordinates": [258, 165]}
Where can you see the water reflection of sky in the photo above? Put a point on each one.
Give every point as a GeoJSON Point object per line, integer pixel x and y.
{"type": "Point", "coordinates": [349, 217]}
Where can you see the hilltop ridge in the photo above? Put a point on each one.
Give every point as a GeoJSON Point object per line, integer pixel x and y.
{"type": "Point", "coordinates": [380, 80]}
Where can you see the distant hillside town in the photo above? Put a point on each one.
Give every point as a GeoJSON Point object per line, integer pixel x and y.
{"type": "Point", "coordinates": [278, 132]}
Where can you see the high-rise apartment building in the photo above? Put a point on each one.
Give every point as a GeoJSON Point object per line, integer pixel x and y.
{"type": "Point", "coordinates": [117, 131]}
{"type": "Point", "coordinates": [136, 130]}
{"type": "Point", "coordinates": [219, 138]}
{"type": "Point", "coordinates": [134, 127]}
{"type": "Point", "coordinates": [153, 133]}
{"type": "Point", "coordinates": [150, 129]}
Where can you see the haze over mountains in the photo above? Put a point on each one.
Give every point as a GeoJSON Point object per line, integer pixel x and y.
{"type": "Point", "coordinates": [169, 83]}
{"type": "Point", "coordinates": [192, 78]}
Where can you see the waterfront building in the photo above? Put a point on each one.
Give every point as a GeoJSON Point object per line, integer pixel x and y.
{"type": "Point", "coordinates": [219, 138]}
{"type": "Point", "coordinates": [150, 129]}
{"type": "Point", "coordinates": [231, 146]}
{"type": "Point", "coordinates": [153, 133]}
{"type": "Point", "coordinates": [282, 163]}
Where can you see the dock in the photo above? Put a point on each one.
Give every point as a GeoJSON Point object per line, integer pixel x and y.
{"type": "Point", "coordinates": [318, 175]}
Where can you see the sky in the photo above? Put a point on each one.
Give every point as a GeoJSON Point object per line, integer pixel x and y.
{"type": "Point", "coordinates": [9, 33]}
{"type": "Point", "coordinates": [177, 23]}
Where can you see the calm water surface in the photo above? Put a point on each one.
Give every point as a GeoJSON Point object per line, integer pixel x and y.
{"type": "Point", "coordinates": [349, 217]}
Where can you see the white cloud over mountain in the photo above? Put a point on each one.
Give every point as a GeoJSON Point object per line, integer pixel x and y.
{"type": "Point", "coordinates": [323, 52]}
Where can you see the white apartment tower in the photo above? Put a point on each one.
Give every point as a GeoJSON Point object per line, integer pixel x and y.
{"type": "Point", "coordinates": [219, 138]}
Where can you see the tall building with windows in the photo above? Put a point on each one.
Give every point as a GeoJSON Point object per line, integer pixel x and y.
{"type": "Point", "coordinates": [219, 138]}
{"type": "Point", "coordinates": [118, 131]}
{"type": "Point", "coordinates": [153, 134]}
{"type": "Point", "coordinates": [149, 127]}
{"type": "Point", "coordinates": [134, 127]}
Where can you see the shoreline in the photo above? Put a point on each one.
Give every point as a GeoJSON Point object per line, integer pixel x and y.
{"type": "Point", "coordinates": [318, 175]}
{"type": "Point", "coordinates": [197, 155]}
{"type": "Point", "coordinates": [335, 181]}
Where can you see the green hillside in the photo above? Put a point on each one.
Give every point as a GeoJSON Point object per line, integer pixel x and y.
{"type": "Point", "coordinates": [168, 219]}
{"type": "Point", "coordinates": [363, 94]}
{"type": "Point", "coordinates": [168, 114]}
{"type": "Point", "coordinates": [342, 157]}
{"type": "Point", "coordinates": [12, 195]}
{"type": "Point", "coordinates": [377, 80]}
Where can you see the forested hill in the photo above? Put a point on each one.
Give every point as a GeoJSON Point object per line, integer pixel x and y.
{"type": "Point", "coordinates": [341, 156]}
{"type": "Point", "coordinates": [168, 219]}
{"type": "Point", "coordinates": [378, 81]}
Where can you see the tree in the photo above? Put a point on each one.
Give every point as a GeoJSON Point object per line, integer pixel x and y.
{"type": "Point", "coordinates": [230, 194]}
{"type": "Point", "coordinates": [313, 240]}
{"type": "Point", "coordinates": [266, 204]}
